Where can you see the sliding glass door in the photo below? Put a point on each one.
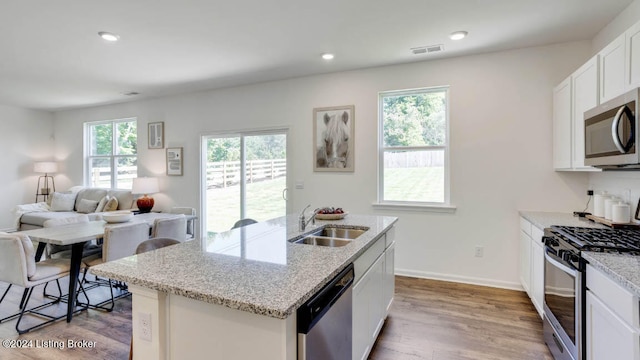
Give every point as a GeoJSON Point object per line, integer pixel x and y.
{"type": "Point", "coordinates": [244, 176]}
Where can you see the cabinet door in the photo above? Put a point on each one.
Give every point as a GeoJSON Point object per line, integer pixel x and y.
{"type": "Point", "coordinates": [608, 337]}
{"type": "Point", "coordinates": [562, 125]}
{"type": "Point", "coordinates": [361, 314]}
{"type": "Point", "coordinates": [389, 277]}
{"type": "Point", "coordinates": [584, 97]}
{"type": "Point", "coordinates": [537, 275]}
{"type": "Point", "coordinates": [378, 307]}
{"type": "Point", "coordinates": [632, 66]}
{"type": "Point", "coordinates": [612, 64]}
{"type": "Point", "coordinates": [525, 262]}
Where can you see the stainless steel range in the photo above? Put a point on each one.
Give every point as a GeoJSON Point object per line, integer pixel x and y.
{"type": "Point", "coordinates": [565, 283]}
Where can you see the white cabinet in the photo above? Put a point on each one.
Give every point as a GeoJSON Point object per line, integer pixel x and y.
{"type": "Point", "coordinates": [584, 96]}
{"type": "Point", "coordinates": [532, 263]}
{"type": "Point", "coordinates": [562, 125]}
{"type": "Point", "coordinates": [612, 69]}
{"type": "Point", "coordinates": [372, 293]}
{"type": "Point", "coordinates": [612, 319]}
{"type": "Point", "coordinates": [632, 58]}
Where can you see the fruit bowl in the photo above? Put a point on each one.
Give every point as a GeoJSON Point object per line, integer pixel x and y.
{"type": "Point", "coordinates": [117, 217]}
{"type": "Point", "coordinates": [331, 216]}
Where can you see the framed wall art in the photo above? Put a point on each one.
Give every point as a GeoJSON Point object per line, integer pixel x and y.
{"type": "Point", "coordinates": [333, 138]}
{"type": "Point", "coordinates": [174, 161]}
{"type": "Point", "coordinates": [156, 135]}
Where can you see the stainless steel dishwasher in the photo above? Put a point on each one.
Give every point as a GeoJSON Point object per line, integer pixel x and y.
{"type": "Point", "coordinates": [325, 321]}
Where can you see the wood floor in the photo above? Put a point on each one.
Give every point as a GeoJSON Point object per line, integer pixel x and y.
{"type": "Point", "coordinates": [429, 319]}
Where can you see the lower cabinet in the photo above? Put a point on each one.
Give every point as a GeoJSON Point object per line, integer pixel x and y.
{"type": "Point", "coordinates": [372, 295]}
{"type": "Point", "coordinates": [532, 263]}
{"type": "Point", "coordinates": [612, 319]}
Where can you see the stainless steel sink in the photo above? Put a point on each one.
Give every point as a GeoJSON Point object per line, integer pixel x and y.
{"type": "Point", "coordinates": [322, 241]}
{"type": "Point", "coordinates": [340, 233]}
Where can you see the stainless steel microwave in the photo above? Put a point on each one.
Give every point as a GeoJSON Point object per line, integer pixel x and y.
{"type": "Point", "coordinates": [610, 133]}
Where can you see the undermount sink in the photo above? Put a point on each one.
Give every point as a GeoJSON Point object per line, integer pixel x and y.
{"type": "Point", "coordinates": [331, 236]}
{"type": "Point", "coordinates": [322, 241]}
{"type": "Point", "coordinates": [340, 233]}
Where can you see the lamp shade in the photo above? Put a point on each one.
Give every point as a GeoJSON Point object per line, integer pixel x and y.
{"type": "Point", "coordinates": [145, 185]}
{"type": "Point", "coordinates": [45, 167]}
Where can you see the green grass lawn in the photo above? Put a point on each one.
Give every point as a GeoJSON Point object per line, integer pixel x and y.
{"type": "Point", "coordinates": [414, 184]}
{"type": "Point", "coordinates": [264, 198]}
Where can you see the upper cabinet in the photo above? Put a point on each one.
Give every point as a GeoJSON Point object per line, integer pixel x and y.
{"type": "Point", "coordinates": [632, 58]}
{"type": "Point", "coordinates": [612, 69]}
{"type": "Point", "coordinates": [571, 98]}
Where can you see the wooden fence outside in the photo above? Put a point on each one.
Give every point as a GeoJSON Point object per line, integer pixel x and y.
{"type": "Point", "coordinates": [221, 174]}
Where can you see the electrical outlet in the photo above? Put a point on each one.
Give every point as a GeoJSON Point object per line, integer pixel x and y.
{"type": "Point", "coordinates": [479, 251]}
{"type": "Point", "coordinates": [589, 192]}
{"type": "Point", "coordinates": [144, 320]}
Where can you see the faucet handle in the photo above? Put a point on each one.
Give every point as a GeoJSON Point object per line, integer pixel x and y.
{"type": "Point", "coordinates": [305, 209]}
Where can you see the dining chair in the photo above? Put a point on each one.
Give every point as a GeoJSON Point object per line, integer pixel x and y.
{"type": "Point", "coordinates": [190, 223]}
{"type": "Point", "coordinates": [119, 241]}
{"type": "Point", "coordinates": [19, 267]}
{"type": "Point", "coordinates": [173, 228]}
{"type": "Point", "coordinates": [243, 222]}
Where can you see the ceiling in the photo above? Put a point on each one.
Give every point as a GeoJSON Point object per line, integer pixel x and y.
{"type": "Point", "coordinates": [53, 59]}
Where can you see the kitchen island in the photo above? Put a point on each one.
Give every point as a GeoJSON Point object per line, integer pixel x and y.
{"type": "Point", "coordinates": [235, 296]}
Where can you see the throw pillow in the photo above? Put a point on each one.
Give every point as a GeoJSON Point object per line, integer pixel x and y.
{"type": "Point", "coordinates": [62, 202]}
{"type": "Point", "coordinates": [111, 205]}
{"type": "Point", "coordinates": [87, 206]}
{"type": "Point", "coordinates": [102, 203]}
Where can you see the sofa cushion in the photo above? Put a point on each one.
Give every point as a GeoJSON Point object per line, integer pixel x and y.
{"type": "Point", "coordinates": [87, 206]}
{"type": "Point", "coordinates": [125, 198]}
{"type": "Point", "coordinates": [101, 204]}
{"type": "Point", "coordinates": [93, 194]}
{"type": "Point", "coordinates": [62, 202]}
{"type": "Point", "coordinates": [38, 218]}
{"type": "Point", "coordinates": [111, 205]}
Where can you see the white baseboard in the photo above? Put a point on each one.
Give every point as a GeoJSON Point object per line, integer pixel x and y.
{"type": "Point", "coordinates": [460, 279]}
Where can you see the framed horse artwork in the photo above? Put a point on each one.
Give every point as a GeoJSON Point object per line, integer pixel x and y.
{"type": "Point", "coordinates": [333, 138]}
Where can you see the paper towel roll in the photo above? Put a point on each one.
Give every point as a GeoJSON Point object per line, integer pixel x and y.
{"type": "Point", "coordinates": [598, 204]}
{"type": "Point", "coordinates": [608, 204]}
{"type": "Point", "coordinates": [620, 213]}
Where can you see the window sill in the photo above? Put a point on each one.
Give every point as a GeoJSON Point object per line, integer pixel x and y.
{"type": "Point", "coordinates": [448, 209]}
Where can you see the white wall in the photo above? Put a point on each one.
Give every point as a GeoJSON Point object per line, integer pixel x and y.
{"type": "Point", "coordinates": [500, 139]}
{"type": "Point", "coordinates": [26, 137]}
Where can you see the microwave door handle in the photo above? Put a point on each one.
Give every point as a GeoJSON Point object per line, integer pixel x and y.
{"type": "Point", "coordinates": [614, 129]}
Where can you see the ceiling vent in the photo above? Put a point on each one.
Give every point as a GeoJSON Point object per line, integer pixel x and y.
{"type": "Point", "coordinates": [427, 49]}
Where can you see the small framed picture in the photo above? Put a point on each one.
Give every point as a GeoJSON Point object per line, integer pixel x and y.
{"type": "Point", "coordinates": [174, 161]}
{"type": "Point", "coordinates": [156, 135]}
{"type": "Point", "coordinates": [333, 138]}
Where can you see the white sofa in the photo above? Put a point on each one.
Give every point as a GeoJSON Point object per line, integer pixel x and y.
{"type": "Point", "coordinates": [34, 220]}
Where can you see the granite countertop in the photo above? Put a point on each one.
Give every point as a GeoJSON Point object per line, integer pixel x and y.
{"type": "Point", "coordinates": [254, 268]}
{"type": "Point", "coordinates": [624, 269]}
{"type": "Point", "coordinates": [545, 219]}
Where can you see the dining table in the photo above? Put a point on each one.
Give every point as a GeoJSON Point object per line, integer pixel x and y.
{"type": "Point", "coordinates": [77, 235]}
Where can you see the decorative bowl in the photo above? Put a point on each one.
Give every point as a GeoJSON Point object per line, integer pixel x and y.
{"type": "Point", "coordinates": [331, 216]}
{"type": "Point", "coordinates": [117, 217]}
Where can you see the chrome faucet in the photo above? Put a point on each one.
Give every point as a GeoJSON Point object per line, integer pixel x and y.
{"type": "Point", "coordinates": [303, 222]}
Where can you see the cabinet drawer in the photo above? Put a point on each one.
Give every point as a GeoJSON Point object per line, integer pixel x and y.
{"type": "Point", "coordinates": [525, 226]}
{"type": "Point", "coordinates": [364, 262]}
{"type": "Point", "coordinates": [621, 301]}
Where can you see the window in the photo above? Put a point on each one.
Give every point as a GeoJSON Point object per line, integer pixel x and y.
{"type": "Point", "coordinates": [414, 147]}
{"type": "Point", "coordinates": [111, 153]}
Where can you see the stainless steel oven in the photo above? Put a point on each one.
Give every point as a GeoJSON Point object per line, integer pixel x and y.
{"type": "Point", "coordinates": [563, 296]}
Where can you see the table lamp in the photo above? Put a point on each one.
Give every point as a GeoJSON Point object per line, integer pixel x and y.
{"type": "Point", "coordinates": [46, 168]}
{"type": "Point", "coordinates": [145, 186]}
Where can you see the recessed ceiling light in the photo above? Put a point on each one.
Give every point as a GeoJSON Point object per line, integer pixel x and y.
{"type": "Point", "coordinates": [108, 36]}
{"type": "Point", "coordinates": [327, 56]}
{"type": "Point", "coordinates": [458, 35]}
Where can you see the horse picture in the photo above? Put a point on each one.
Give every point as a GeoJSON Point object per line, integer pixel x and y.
{"type": "Point", "coordinates": [333, 135]}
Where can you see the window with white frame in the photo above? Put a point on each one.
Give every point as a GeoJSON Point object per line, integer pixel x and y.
{"type": "Point", "coordinates": [111, 159]}
{"type": "Point", "coordinates": [414, 147]}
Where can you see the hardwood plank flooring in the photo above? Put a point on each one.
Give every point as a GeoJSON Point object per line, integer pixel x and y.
{"type": "Point", "coordinates": [438, 320]}
{"type": "Point", "coordinates": [429, 319]}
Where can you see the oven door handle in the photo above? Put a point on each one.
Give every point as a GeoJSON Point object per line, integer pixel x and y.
{"type": "Point", "coordinates": [567, 268]}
